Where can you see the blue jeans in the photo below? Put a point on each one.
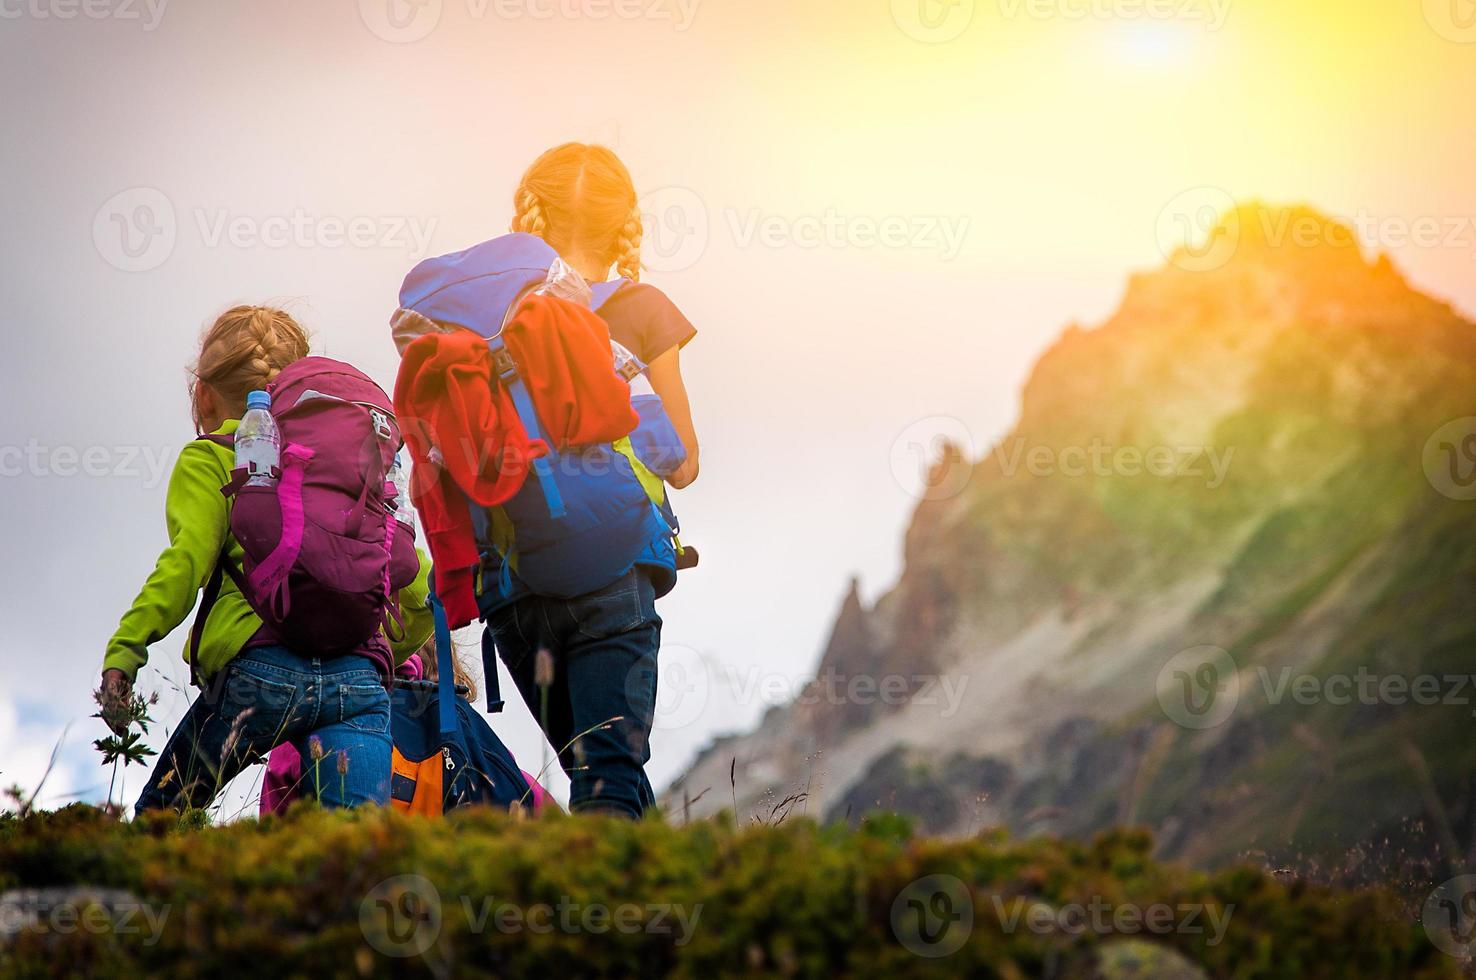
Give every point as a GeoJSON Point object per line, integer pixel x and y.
{"type": "Point", "coordinates": [270, 695]}
{"type": "Point", "coordinates": [598, 707]}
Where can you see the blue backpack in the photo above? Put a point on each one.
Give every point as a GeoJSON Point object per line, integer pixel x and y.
{"type": "Point", "coordinates": [434, 771]}
{"type": "Point", "coordinates": [445, 754]}
{"type": "Point", "coordinates": [591, 513]}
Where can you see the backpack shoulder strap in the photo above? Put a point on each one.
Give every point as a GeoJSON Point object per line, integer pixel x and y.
{"type": "Point", "coordinates": [445, 672]}
{"type": "Point", "coordinates": [489, 673]}
{"type": "Point", "coordinates": [507, 375]}
{"type": "Point", "coordinates": [600, 292]}
{"type": "Point", "coordinates": [223, 566]}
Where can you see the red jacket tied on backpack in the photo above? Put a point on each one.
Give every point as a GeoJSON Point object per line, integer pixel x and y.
{"type": "Point", "coordinates": [463, 430]}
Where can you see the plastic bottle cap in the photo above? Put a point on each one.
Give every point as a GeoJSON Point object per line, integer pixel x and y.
{"type": "Point", "coordinates": [258, 399]}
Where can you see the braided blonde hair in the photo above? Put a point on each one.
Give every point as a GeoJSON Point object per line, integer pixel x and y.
{"type": "Point", "coordinates": [529, 214]}
{"type": "Point", "coordinates": [243, 350]}
{"type": "Point", "coordinates": [580, 198]}
{"type": "Point", "coordinates": [628, 246]}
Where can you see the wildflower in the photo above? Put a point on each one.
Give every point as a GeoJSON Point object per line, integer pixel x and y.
{"type": "Point", "coordinates": [315, 748]}
{"type": "Point", "coordinates": [343, 762]}
{"type": "Point", "coordinates": [235, 734]}
{"type": "Point", "coordinates": [543, 669]}
{"type": "Point", "coordinates": [543, 677]}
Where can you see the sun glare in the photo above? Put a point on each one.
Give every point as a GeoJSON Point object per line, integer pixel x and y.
{"type": "Point", "coordinates": [1154, 46]}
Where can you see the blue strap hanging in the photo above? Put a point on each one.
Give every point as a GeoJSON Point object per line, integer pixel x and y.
{"type": "Point", "coordinates": [507, 373]}
{"type": "Point", "coordinates": [489, 672]}
{"type": "Point", "coordinates": [445, 671]}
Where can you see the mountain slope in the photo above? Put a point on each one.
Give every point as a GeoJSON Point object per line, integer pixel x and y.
{"type": "Point", "coordinates": [1239, 472]}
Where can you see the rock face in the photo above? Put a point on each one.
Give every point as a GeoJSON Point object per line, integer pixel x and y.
{"type": "Point", "coordinates": [1220, 580]}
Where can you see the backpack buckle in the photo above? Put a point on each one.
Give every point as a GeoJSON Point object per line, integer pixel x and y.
{"type": "Point", "coordinates": [381, 422]}
{"type": "Point", "coordinates": [504, 365]}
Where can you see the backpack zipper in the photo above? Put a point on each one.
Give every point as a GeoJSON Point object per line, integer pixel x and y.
{"type": "Point", "coordinates": [446, 754]}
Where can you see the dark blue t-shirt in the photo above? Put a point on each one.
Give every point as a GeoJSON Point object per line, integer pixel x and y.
{"type": "Point", "coordinates": [647, 323]}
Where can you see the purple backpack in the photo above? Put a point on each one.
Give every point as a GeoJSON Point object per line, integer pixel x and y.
{"type": "Point", "coordinates": [324, 554]}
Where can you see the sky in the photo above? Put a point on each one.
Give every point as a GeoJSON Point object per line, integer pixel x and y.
{"type": "Point", "coordinates": [878, 213]}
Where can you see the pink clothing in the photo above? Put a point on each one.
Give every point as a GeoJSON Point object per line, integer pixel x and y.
{"type": "Point", "coordinates": [540, 796]}
{"type": "Point", "coordinates": [284, 772]}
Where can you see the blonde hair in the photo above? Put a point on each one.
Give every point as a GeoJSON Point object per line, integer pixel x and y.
{"type": "Point", "coordinates": [580, 198]}
{"type": "Point", "coordinates": [429, 667]}
{"type": "Point", "coordinates": [244, 350]}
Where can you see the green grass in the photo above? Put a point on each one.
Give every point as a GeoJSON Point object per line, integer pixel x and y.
{"type": "Point", "coordinates": [301, 896]}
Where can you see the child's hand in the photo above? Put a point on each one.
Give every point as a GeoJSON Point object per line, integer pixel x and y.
{"type": "Point", "coordinates": [117, 691]}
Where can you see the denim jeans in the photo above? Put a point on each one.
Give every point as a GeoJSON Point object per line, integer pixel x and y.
{"type": "Point", "coordinates": [270, 695]}
{"type": "Point", "coordinates": [598, 707]}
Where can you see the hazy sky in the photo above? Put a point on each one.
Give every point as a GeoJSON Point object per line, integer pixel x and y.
{"type": "Point", "coordinates": [877, 214]}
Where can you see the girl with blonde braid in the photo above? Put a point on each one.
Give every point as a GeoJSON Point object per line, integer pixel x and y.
{"type": "Point", "coordinates": [257, 693]}
{"type": "Point", "coordinates": [580, 199]}
{"type": "Point", "coordinates": [586, 667]}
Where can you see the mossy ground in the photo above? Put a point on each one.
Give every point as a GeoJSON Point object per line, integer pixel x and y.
{"type": "Point", "coordinates": [481, 894]}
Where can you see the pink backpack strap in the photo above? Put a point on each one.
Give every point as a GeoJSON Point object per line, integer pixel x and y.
{"type": "Point", "coordinates": [390, 526]}
{"type": "Point", "coordinates": [394, 618]}
{"type": "Point", "coordinates": [269, 579]}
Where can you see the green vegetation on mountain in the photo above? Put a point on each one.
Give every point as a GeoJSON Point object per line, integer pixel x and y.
{"type": "Point", "coordinates": [1311, 526]}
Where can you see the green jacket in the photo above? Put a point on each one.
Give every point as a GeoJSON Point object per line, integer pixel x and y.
{"type": "Point", "coordinates": [198, 520]}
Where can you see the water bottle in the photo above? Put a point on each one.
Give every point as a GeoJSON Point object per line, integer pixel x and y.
{"type": "Point", "coordinates": [627, 365]}
{"type": "Point", "coordinates": [258, 444]}
{"type": "Point", "coordinates": [404, 510]}
{"type": "Point", "coordinates": [564, 282]}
